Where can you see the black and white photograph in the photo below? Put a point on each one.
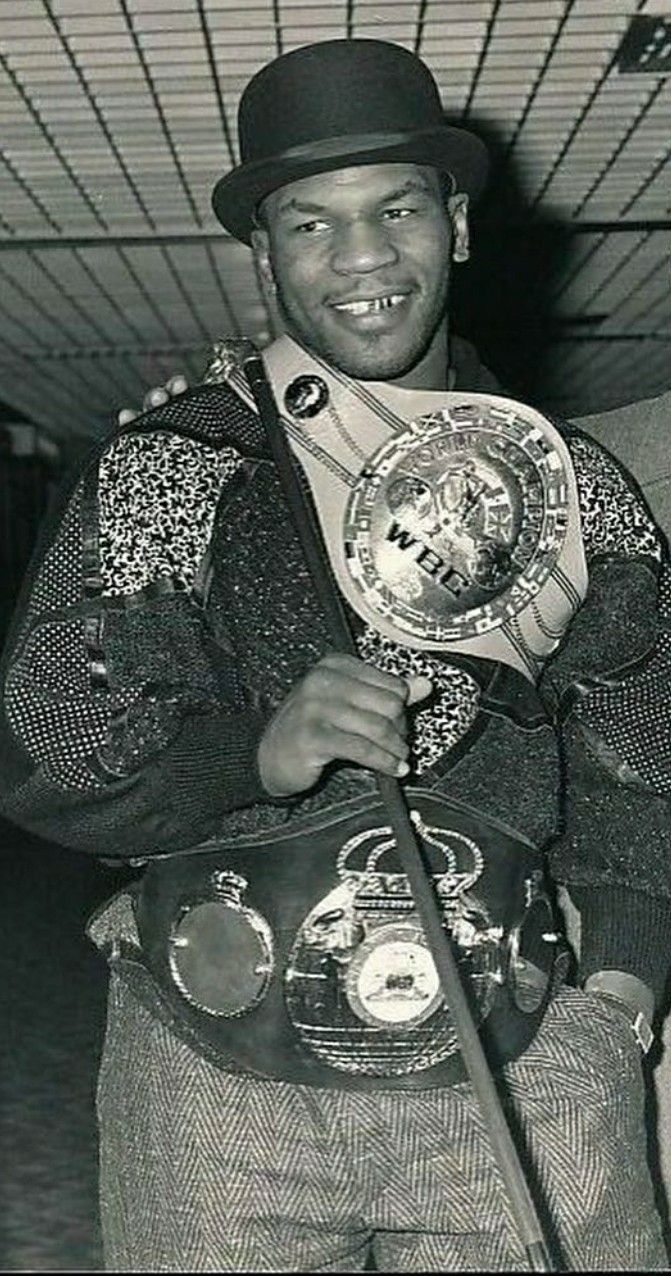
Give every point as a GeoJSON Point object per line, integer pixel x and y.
{"type": "Point", "coordinates": [335, 635]}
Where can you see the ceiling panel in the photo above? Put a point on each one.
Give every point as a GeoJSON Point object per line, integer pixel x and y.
{"type": "Point", "coordinates": [117, 116]}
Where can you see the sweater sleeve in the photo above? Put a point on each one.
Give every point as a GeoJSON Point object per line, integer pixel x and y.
{"type": "Point", "coordinates": [611, 685]}
{"type": "Point", "coordinates": [125, 727]}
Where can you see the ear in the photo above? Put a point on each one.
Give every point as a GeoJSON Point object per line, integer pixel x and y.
{"type": "Point", "coordinates": [261, 250]}
{"type": "Point", "coordinates": [457, 207]}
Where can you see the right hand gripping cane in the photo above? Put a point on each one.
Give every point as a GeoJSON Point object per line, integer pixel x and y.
{"type": "Point", "coordinates": [391, 793]}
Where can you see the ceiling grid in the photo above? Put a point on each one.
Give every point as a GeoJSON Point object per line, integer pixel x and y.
{"type": "Point", "coordinates": [117, 116]}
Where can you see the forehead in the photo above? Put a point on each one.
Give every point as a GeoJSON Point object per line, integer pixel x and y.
{"type": "Point", "coordinates": [360, 184]}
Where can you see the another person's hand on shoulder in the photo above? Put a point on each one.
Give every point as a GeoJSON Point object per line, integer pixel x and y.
{"type": "Point", "coordinates": [155, 398]}
{"type": "Point", "coordinates": [341, 709]}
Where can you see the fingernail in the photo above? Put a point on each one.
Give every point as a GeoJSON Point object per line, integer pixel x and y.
{"type": "Point", "coordinates": [126, 415]}
{"type": "Point", "coordinates": [402, 768]}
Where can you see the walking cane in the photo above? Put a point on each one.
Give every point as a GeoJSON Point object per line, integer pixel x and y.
{"type": "Point", "coordinates": [391, 793]}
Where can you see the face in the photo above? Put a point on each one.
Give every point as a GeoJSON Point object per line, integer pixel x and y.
{"type": "Point", "coordinates": [360, 262]}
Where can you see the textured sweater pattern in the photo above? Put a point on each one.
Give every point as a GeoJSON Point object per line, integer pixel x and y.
{"type": "Point", "coordinates": [168, 612]}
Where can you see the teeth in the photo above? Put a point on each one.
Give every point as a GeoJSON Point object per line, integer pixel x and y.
{"type": "Point", "coordinates": [374, 306]}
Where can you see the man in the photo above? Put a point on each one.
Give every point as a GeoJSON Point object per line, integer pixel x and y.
{"type": "Point", "coordinates": [281, 1087]}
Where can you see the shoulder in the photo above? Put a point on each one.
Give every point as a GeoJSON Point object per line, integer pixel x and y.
{"type": "Point", "coordinates": [199, 437]}
{"type": "Point", "coordinates": [639, 434]}
{"type": "Point", "coordinates": [614, 513]}
{"type": "Point", "coordinates": [212, 414]}
{"type": "Point", "coordinates": [175, 453]}
{"type": "Point", "coordinates": [159, 482]}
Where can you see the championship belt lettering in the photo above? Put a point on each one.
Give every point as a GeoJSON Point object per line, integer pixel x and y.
{"type": "Point", "coordinates": [451, 519]}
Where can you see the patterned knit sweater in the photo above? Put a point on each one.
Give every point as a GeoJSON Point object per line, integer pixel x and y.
{"type": "Point", "coordinates": [167, 613]}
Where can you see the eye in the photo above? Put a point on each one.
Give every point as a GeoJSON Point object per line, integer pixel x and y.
{"type": "Point", "coordinates": [397, 214]}
{"type": "Point", "coordinates": [311, 227]}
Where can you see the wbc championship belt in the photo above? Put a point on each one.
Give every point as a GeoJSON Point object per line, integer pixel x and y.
{"type": "Point", "coordinates": [451, 519]}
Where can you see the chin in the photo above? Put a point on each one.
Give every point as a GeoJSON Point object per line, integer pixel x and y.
{"type": "Point", "coordinates": [373, 369]}
{"type": "Point", "coordinates": [371, 361]}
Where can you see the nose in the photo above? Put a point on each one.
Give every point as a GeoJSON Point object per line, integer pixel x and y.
{"type": "Point", "coordinates": [362, 246]}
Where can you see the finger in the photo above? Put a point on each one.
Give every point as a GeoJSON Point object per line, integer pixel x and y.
{"type": "Point", "coordinates": [371, 727]}
{"type": "Point", "coordinates": [419, 687]}
{"type": "Point", "coordinates": [126, 415]}
{"type": "Point", "coordinates": [329, 689]}
{"type": "Point", "coordinates": [381, 692]}
{"type": "Point", "coordinates": [155, 398]}
{"type": "Point", "coordinates": [364, 698]}
{"type": "Point", "coordinates": [362, 672]}
{"type": "Point", "coordinates": [177, 384]}
{"type": "Point", "coordinates": [353, 748]}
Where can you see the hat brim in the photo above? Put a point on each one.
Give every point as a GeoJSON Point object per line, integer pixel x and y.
{"type": "Point", "coordinates": [455, 151]}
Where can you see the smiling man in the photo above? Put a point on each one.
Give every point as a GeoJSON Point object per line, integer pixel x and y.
{"type": "Point", "coordinates": [362, 269]}
{"type": "Point", "coordinates": [281, 1087]}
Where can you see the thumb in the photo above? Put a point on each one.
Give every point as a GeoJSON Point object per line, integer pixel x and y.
{"type": "Point", "coordinates": [419, 687]}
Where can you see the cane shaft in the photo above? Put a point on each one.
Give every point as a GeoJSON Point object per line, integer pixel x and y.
{"type": "Point", "coordinates": [407, 846]}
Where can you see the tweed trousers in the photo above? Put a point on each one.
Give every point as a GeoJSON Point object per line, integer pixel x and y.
{"type": "Point", "coordinates": [202, 1170]}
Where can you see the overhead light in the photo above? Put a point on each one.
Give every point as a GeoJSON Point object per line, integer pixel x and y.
{"type": "Point", "coordinates": [646, 46]}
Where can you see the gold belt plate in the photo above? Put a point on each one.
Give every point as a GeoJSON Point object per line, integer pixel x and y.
{"type": "Point", "coordinates": [454, 525]}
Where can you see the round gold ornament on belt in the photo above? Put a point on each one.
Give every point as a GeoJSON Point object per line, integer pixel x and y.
{"type": "Point", "coordinates": [221, 950]}
{"type": "Point", "coordinates": [454, 525]}
{"type": "Point", "coordinates": [392, 980]}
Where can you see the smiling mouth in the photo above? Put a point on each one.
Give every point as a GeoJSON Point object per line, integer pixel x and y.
{"type": "Point", "coordinates": [370, 305]}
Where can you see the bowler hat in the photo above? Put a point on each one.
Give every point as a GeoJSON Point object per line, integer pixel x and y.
{"type": "Point", "coordinates": [334, 104]}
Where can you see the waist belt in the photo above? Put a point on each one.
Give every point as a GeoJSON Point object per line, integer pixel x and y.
{"type": "Point", "coordinates": [303, 959]}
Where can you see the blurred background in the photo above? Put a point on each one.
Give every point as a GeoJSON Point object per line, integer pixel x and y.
{"type": "Point", "coordinates": [116, 117]}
